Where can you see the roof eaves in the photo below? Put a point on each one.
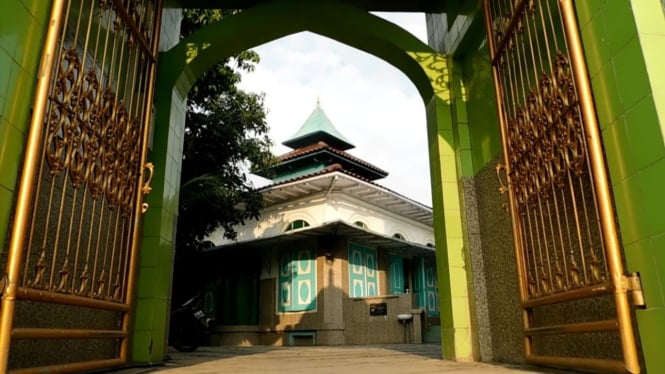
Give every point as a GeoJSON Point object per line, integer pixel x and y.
{"type": "Point", "coordinates": [323, 146]}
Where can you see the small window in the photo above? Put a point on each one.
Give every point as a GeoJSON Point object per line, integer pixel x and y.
{"type": "Point", "coordinates": [399, 236]}
{"type": "Point", "coordinates": [297, 224]}
{"type": "Point", "coordinates": [361, 224]}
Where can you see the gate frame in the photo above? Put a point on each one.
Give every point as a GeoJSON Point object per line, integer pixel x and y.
{"type": "Point", "coordinates": [24, 195]}
{"type": "Point", "coordinates": [10, 285]}
{"type": "Point", "coordinates": [620, 282]}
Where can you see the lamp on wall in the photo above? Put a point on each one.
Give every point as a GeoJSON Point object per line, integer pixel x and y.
{"type": "Point", "coordinates": [329, 256]}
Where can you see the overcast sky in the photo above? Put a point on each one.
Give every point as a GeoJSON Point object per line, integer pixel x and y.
{"type": "Point", "coordinates": [369, 101]}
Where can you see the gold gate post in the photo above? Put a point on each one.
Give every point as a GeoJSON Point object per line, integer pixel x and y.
{"type": "Point", "coordinates": [601, 184]}
{"type": "Point", "coordinates": [25, 191]}
{"type": "Point", "coordinates": [506, 166]}
{"type": "Point", "coordinates": [140, 207]}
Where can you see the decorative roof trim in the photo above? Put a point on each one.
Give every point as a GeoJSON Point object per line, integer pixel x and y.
{"type": "Point", "coordinates": [323, 146]}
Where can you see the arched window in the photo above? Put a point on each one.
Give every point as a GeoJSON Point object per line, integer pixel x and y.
{"type": "Point", "coordinates": [399, 236]}
{"type": "Point", "coordinates": [361, 224]}
{"type": "Point", "coordinates": [430, 245]}
{"type": "Point", "coordinates": [297, 224]}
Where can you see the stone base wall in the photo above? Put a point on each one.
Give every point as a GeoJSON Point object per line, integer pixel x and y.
{"type": "Point", "coordinates": [498, 265]}
{"type": "Point", "coordinates": [358, 327]}
{"type": "Point", "coordinates": [496, 280]}
{"type": "Point", "coordinates": [480, 322]}
{"type": "Point", "coordinates": [362, 328]}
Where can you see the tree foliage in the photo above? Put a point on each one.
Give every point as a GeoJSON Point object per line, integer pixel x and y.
{"type": "Point", "coordinates": [225, 135]}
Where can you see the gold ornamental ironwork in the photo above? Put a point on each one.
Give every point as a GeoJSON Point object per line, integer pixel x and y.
{"type": "Point", "coordinates": [74, 238]}
{"type": "Point", "coordinates": [566, 241]}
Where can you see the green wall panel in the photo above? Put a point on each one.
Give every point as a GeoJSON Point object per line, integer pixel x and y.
{"type": "Point", "coordinates": [149, 342]}
{"type": "Point", "coordinates": [21, 37]}
{"type": "Point", "coordinates": [623, 41]}
{"type": "Point", "coordinates": [484, 132]}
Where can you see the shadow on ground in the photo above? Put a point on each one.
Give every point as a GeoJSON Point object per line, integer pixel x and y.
{"type": "Point", "coordinates": [384, 359]}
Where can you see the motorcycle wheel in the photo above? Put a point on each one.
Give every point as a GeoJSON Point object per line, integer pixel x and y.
{"type": "Point", "coordinates": [185, 339]}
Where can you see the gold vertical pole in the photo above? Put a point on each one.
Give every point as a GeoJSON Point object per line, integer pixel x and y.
{"type": "Point", "coordinates": [30, 164]}
{"type": "Point", "coordinates": [136, 232]}
{"type": "Point", "coordinates": [601, 184]}
{"type": "Point", "coordinates": [514, 215]}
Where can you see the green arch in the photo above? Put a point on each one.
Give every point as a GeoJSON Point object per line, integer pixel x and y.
{"type": "Point", "coordinates": [180, 67]}
{"type": "Point", "coordinates": [273, 20]}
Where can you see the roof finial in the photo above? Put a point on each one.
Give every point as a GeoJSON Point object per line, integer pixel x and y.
{"type": "Point", "coordinates": [318, 101]}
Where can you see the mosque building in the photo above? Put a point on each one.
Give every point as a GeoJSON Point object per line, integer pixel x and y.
{"type": "Point", "coordinates": [335, 258]}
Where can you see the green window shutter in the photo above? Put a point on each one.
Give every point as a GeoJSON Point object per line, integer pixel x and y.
{"type": "Point", "coordinates": [419, 282]}
{"type": "Point", "coordinates": [371, 273]}
{"type": "Point", "coordinates": [363, 275]}
{"type": "Point", "coordinates": [425, 286]}
{"type": "Point", "coordinates": [297, 281]}
{"type": "Point", "coordinates": [285, 282]}
{"type": "Point", "coordinates": [356, 271]}
{"type": "Point", "coordinates": [431, 294]}
{"type": "Point", "coordinates": [209, 300]}
{"type": "Point", "coordinates": [396, 274]}
{"type": "Point", "coordinates": [304, 280]}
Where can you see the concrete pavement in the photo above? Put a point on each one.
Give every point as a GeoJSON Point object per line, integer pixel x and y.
{"type": "Point", "coordinates": [384, 359]}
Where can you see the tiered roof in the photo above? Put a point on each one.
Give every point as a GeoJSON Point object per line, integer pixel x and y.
{"type": "Point", "coordinates": [318, 147]}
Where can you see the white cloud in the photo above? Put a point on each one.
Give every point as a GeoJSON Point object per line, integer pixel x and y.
{"type": "Point", "coordinates": [369, 101]}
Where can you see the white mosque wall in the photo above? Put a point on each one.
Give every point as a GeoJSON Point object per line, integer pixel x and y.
{"type": "Point", "coordinates": [321, 209]}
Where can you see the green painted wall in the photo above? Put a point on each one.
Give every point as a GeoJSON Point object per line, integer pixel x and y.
{"type": "Point", "coordinates": [474, 136]}
{"type": "Point", "coordinates": [623, 42]}
{"type": "Point", "coordinates": [149, 341]}
{"type": "Point", "coordinates": [484, 134]}
{"type": "Point", "coordinates": [473, 91]}
{"type": "Point", "coordinates": [22, 32]}
{"type": "Point", "coordinates": [450, 259]}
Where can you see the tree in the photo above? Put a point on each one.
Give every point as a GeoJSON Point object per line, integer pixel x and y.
{"type": "Point", "coordinates": [225, 135]}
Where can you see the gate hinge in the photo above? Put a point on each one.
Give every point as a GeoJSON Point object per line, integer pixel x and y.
{"type": "Point", "coordinates": [632, 283]}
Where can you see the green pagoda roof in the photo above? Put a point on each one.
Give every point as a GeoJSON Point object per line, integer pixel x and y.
{"type": "Point", "coordinates": [318, 128]}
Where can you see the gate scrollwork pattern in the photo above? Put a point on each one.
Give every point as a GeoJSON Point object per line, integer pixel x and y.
{"type": "Point", "coordinates": [547, 155]}
{"type": "Point", "coordinates": [91, 134]}
{"type": "Point", "coordinates": [87, 189]}
{"type": "Point", "coordinates": [546, 151]}
{"type": "Point", "coordinates": [555, 176]}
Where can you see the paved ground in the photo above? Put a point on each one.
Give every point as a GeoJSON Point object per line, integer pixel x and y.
{"type": "Point", "coordinates": [384, 359]}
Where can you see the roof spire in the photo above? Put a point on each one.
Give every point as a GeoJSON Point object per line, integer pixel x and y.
{"type": "Point", "coordinates": [317, 128]}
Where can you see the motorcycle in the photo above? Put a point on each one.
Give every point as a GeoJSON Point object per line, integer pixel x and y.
{"type": "Point", "coordinates": [189, 325]}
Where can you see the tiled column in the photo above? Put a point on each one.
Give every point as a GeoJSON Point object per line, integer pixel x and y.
{"type": "Point", "coordinates": [451, 267]}
{"type": "Point", "coordinates": [22, 31]}
{"type": "Point", "coordinates": [149, 340]}
{"type": "Point", "coordinates": [623, 43]}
